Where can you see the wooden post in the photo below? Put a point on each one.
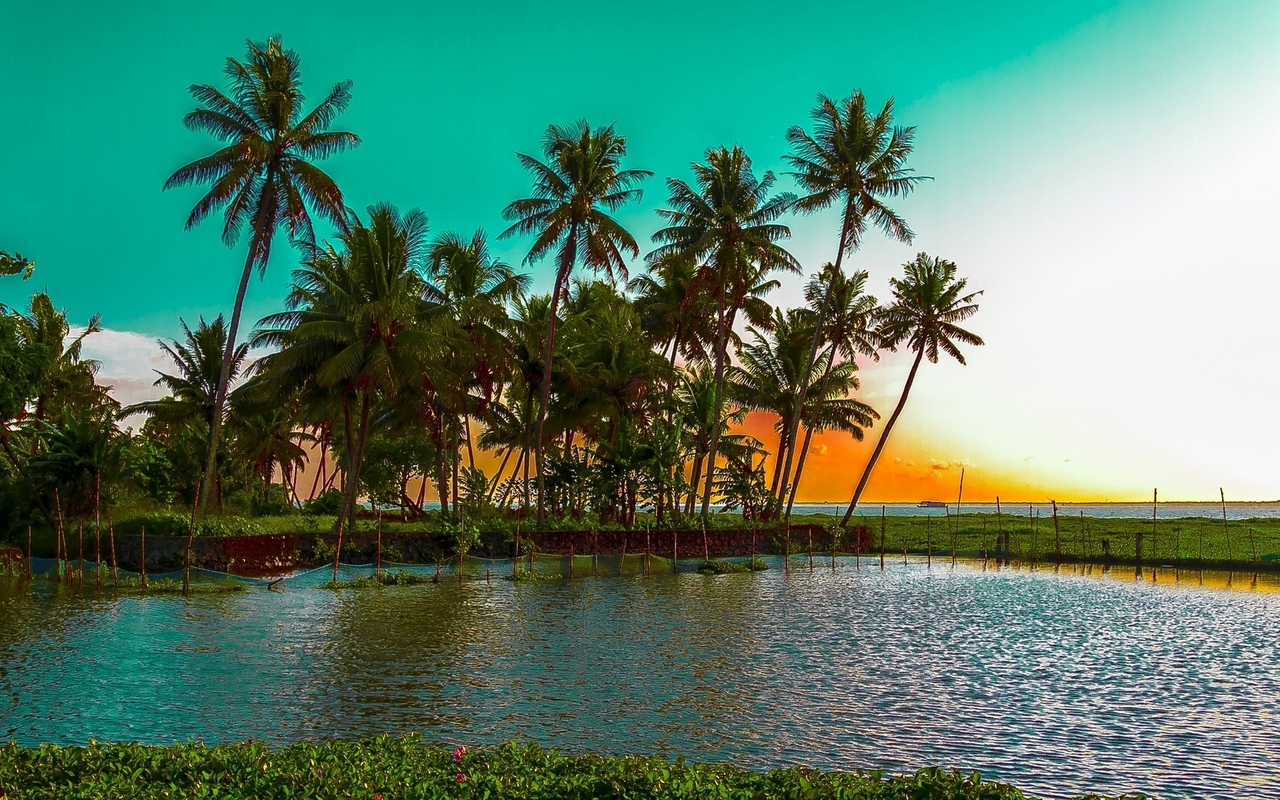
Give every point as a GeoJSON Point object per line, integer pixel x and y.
{"type": "Point", "coordinates": [984, 545]}
{"type": "Point", "coordinates": [955, 533]}
{"type": "Point", "coordinates": [1035, 544]}
{"type": "Point", "coordinates": [115, 565]}
{"type": "Point", "coordinates": [570, 556]}
{"type": "Point", "coordinates": [835, 540]}
{"type": "Point", "coordinates": [80, 569]}
{"type": "Point", "coordinates": [59, 539]}
{"type": "Point", "coordinates": [648, 550]}
{"type": "Point", "coordinates": [144, 556]}
{"type": "Point", "coordinates": [595, 553]}
{"type": "Point", "coordinates": [1155, 553]}
{"type": "Point", "coordinates": [675, 549]}
{"type": "Point", "coordinates": [29, 575]}
{"type": "Point", "coordinates": [1226, 533]}
{"type": "Point", "coordinates": [1001, 546]}
{"type": "Point", "coordinates": [706, 551]}
{"type": "Point", "coordinates": [882, 527]}
{"type": "Point", "coordinates": [928, 543]}
{"type": "Point", "coordinates": [97, 527]}
{"type": "Point", "coordinates": [191, 538]}
{"type": "Point", "coordinates": [1057, 534]}
{"type": "Point", "coordinates": [622, 560]}
{"type": "Point", "coordinates": [378, 569]}
{"type": "Point", "coordinates": [753, 549]}
{"type": "Point", "coordinates": [811, 549]}
{"type": "Point", "coordinates": [515, 551]}
{"type": "Point", "coordinates": [787, 563]}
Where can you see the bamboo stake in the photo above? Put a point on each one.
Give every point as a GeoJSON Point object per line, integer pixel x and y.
{"type": "Point", "coordinates": [675, 550]}
{"type": "Point", "coordinates": [928, 544]}
{"type": "Point", "coordinates": [144, 556]}
{"type": "Point", "coordinates": [29, 575]}
{"type": "Point", "coordinates": [706, 551]}
{"type": "Point", "coordinates": [1226, 532]}
{"type": "Point", "coordinates": [191, 539]}
{"type": "Point", "coordinates": [97, 528]}
{"type": "Point", "coordinates": [1001, 547]}
{"type": "Point", "coordinates": [984, 545]}
{"type": "Point", "coordinates": [648, 550]}
{"type": "Point", "coordinates": [80, 567]}
{"type": "Point", "coordinates": [1057, 535]}
{"type": "Point", "coordinates": [882, 527]}
{"type": "Point", "coordinates": [956, 531]}
{"type": "Point", "coordinates": [115, 566]}
{"type": "Point", "coordinates": [811, 549]}
{"type": "Point", "coordinates": [60, 539]}
{"type": "Point", "coordinates": [378, 571]}
{"type": "Point", "coordinates": [1155, 552]}
{"type": "Point", "coordinates": [515, 552]}
{"type": "Point", "coordinates": [570, 556]}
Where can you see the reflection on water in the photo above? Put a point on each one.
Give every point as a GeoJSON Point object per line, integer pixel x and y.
{"type": "Point", "coordinates": [1070, 679]}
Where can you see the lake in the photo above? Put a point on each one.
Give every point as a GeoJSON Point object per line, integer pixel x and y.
{"type": "Point", "coordinates": [1054, 682]}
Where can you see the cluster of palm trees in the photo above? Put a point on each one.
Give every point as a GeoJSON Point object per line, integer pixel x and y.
{"type": "Point", "coordinates": [400, 354]}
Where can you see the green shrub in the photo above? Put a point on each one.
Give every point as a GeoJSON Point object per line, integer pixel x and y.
{"type": "Point", "coordinates": [133, 585]}
{"type": "Point", "coordinates": [387, 578]}
{"type": "Point", "coordinates": [157, 523]}
{"type": "Point", "coordinates": [327, 503]}
{"type": "Point", "coordinates": [532, 576]}
{"type": "Point", "coordinates": [402, 768]}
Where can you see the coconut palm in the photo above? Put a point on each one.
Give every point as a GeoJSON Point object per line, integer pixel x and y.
{"type": "Point", "coordinates": [928, 303]}
{"type": "Point", "coordinates": [264, 177]}
{"type": "Point", "coordinates": [68, 377]}
{"type": "Point", "coordinates": [728, 223]}
{"type": "Point", "coordinates": [852, 316]}
{"type": "Point", "coordinates": [356, 328]}
{"type": "Point", "coordinates": [193, 389]}
{"type": "Point", "coordinates": [854, 159]}
{"type": "Point", "coordinates": [575, 189]}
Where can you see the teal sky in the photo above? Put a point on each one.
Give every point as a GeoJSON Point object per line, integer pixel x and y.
{"type": "Point", "coordinates": [1107, 170]}
{"type": "Point", "coordinates": [444, 93]}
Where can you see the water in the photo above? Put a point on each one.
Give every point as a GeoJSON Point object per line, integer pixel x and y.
{"type": "Point", "coordinates": [1045, 509]}
{"type": "Point", "coordinates": [1053, 682]}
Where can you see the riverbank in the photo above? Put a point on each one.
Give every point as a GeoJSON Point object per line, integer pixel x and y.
{"type": "Point", "coordinates": [1248, 545]}
{"type": "Point", "coordinates": [385, 768]}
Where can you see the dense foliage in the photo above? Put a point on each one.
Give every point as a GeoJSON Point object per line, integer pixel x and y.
{"type": "Point", "coordinates": [399, 769]}
{"type": "Point", "coordinates": [403, 356]}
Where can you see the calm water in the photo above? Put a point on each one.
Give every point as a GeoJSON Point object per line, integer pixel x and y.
{"type": "Point", "coordinates": [1048, 681]}
{"type": "Point", "coordinates": [1045, 509]}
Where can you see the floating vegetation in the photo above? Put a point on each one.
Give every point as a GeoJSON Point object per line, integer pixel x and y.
{"type": "Point", "coordinates": [387, 578]}
{"type": "Point", "coordinates": [133, 585]}
{"type": "Point", "coordinates": [533, 576]}
{"type": "Point", "coordinates": [720, 567]}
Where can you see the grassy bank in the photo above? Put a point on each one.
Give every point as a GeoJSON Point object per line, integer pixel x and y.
{"type": "Point", "coordinates": [396, 768]}
{"type": "Point", "coordinates": [1193, 541]}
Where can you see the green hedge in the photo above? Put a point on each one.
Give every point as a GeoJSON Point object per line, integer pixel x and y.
{"type": "Point", "coordinates": [401, 768]}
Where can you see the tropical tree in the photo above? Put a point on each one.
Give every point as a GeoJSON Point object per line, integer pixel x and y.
{"type": "Point", "coordinates": [855, 159]}
{"type": "Point", "coordinates": [265, 176]}
{"type": "Point", "coordinates": [575, 190]}
{"type": "Point", "coordinates": [852, 316]}
{"type": "Point", "coordinates": [728, 223]}
{"type": "Point", "coordinates": [193, 389]}
{"type": "Point", "coordinates": [356, 328]}
{"type": "Point", "coordinates": [928, 304]}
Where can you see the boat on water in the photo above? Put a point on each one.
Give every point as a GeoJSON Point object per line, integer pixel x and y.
{"type": "Point", "coordinates": [931, 504]}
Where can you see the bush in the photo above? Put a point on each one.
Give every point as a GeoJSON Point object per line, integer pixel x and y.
{"type": "Point", "coordinates": [157, 523]}
{"type": "Point", "coordinates": [398, 578]}
{"type": "Point", "coordinates": [328, 503]}
{"type": "Point", "coordinates": [407, 767]}
{"type": "Point", "coordinates": [133, 585]}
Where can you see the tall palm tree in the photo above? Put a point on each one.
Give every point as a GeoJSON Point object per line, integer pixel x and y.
{"type": "Point", "coordinates": [265, 176]}
{"type": "Point", "coordinates": [575, 189]}
{"type": "Point", "coordinates": [856, 159]}
{"type": "Point", "coordinates": [729, 224]}
{"type": "Point", "coordinates": [928, 303]}
{"type": "Point", "coordinates": [356, 327]}
{"type": "Point", "coordinates": [852, 317]}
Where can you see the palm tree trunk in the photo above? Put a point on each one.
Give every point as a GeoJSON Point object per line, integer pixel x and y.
{"type": "Point", "coordinates": [808, 434]}
{"type": "Point", "coordinates": [545, 396]}
{"type": "Point", "coordinates": [819, 326]}
{"type": "Point", "coordinates": [884, 436]}
{"type": "Point", "coordinates": [497, 478]}
{"type": "Point", "coordinates": [716, 403]}
{"type": "Point", "coordinates": [258, 245]}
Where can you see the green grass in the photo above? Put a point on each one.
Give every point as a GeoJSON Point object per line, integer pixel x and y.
{"type": "Point", "coordinates": [388, 768]}
{"type": "Point", "coordinates": [1171, 541]}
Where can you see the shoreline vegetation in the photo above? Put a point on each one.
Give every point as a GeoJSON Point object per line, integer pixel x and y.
{"type": "Point", "coordinates": [388, 768]}
{"type": "Point", "coordinates": [400, 351]}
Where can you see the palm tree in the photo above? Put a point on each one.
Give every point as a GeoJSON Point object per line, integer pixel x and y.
{"type": "Point", "coordinates": [928, 303]}
{"type": "Point", "coordinates": [857, 159]}
{"type": "Point", "coordinates": [193, 390]}
{"type": "Point", "coordinates": [852, 315]}
{"type": "Point", "coordinates": [356, 328]}
{"type": "Point", "coordinates": [68, 379]}
{"type": "Point", "coordinates": [729, 224]}
{"type": "Point", "coordinates": [574, 191]}
{"type": "Point", "coordinates": [265, 176]}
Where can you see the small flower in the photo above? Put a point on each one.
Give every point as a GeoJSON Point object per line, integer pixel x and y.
{"type": "Point", "coordinates": [462, 778]}
{"type": "Point", "coordinates": [319, 773]}
{"type": "Point", "coordinates": [459, 753]}
{"type": "Point", "coordinates": [377, 797]}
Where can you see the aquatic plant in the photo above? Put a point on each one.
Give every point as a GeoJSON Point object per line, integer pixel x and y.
{"type": "Point", "coordinates": [387, 768]}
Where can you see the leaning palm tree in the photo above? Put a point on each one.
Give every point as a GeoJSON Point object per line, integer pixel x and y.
{"type": "Point", "coordinates": [193, 388]}
{"type": "Point", "coordinates": [729, 223]}
{"type": "Point", "coordinates": [575, 190]}
{"type": "Point", "coordinates": [928, 303]}
{"type": "Point", "coordinates": [265, 176]}
{"type": "Point", "coordinates": [856, 159]}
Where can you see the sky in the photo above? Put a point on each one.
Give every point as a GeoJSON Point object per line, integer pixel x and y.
{"type": "Point", "coordinates": [1105, 171]}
